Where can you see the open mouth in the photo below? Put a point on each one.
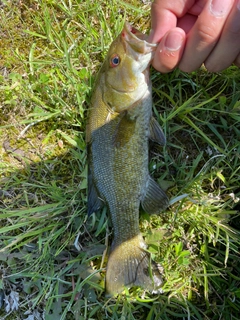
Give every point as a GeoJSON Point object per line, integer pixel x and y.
{"type": "Point", "coordinates": [137, 39]}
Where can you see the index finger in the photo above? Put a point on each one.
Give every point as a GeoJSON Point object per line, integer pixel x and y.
{"type": "Point", "coordinates": [164, 15]}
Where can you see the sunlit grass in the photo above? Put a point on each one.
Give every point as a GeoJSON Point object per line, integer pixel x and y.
{"type": "Point", "coordinates": [51, 255]}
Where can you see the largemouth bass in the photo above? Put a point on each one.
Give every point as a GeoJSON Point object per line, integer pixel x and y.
{"type": "Point", "coordinates": [119, 127]}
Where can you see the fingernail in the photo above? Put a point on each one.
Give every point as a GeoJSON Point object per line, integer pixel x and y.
{"type": "Point", "coordinates": [173, 41]}
{"type": "Point", "coordinates": [219, 7]}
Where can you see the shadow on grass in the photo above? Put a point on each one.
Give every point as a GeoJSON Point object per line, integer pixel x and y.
{"type": "Point", "coordinates": [47, 247]}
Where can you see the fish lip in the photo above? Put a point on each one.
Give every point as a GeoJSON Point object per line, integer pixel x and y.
{"type": "Point", "coordinates": [121, 91]}
{"type": "Point", "coordinates": [137, 40]}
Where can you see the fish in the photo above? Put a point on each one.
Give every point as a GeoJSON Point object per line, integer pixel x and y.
{"type": "Point", "coordinates": [119, 126]}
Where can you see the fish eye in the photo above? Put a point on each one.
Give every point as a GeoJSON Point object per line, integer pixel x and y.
{"type": "Point", "coordinates": [115, 60]}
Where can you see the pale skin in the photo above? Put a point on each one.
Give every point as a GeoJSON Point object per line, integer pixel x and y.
{"type": "Point", "coordinates": [190, 33]}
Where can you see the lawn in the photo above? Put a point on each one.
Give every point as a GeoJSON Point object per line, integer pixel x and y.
{"type": "Point", "coordinates": [52, 256]}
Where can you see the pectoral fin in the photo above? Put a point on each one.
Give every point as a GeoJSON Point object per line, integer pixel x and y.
{"type": "Point", "coordinates": [156, 133]}
{"type": "Point", "coordinates": [94, 202]}
{"type": "Point", "coordinates": [123, 130]}
{"type": "Point", "coordinates": [155, 199]}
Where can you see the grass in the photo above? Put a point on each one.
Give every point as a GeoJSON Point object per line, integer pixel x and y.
{"type": "Point", "coordinates": [51, 256]}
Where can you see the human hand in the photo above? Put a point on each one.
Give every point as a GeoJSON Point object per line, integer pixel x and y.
{"type": "Point", "coordinates": [193, 32]}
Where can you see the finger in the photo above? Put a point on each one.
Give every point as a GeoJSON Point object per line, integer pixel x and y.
{"type": "Point", "coordinates": [204, 35]}
{"type": "Point", "coordinates": [198, 6]}
{"type": "Point", "coordinates": [187, 22]}
{"type": "Point", "coordinates": [228, 46]}
{"type": "Point", "coordinates": [162, 21]}
{"type": "Point", "coordinates": [164, 14]}
{"type": "Point", "coordinates": [237, 61]}
{"type": "Point", "coordinates": [169, 50]}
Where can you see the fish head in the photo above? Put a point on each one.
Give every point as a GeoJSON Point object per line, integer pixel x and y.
{"type": "Point", "coordinates": [126, 69]}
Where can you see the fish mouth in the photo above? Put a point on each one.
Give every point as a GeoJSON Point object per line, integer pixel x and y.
{"type": "Point", "coordinates": [121, 91]}
{"type": "Point", "coordinates": [137, 40]}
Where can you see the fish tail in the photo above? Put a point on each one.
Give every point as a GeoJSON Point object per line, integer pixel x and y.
{"type": "Point", "coordinates": [129, 264]}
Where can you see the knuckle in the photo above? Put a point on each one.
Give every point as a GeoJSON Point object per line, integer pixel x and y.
{"type": "Point", "coordinates": [207, 34]}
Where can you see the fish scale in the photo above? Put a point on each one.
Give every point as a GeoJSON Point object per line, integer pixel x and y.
{"type": "Point", "coordinates": [119, 127]}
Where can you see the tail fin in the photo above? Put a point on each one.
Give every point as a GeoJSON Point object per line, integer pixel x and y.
{"type": "Point", "coordinates": [128, 266]}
